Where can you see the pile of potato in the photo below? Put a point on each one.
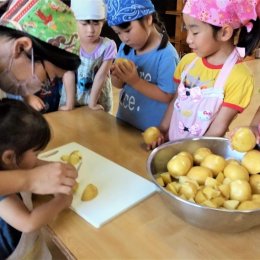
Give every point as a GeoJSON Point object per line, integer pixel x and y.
{"type": "Point", "coordinates": [211, 180]}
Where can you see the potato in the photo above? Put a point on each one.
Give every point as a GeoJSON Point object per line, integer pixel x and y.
{"type": "Point", "coordinates": [231, 204]}
{"type": "Point", "coordinates": [240, 190]}
{"type": "Point", "coordinates": [254, 181]}
{"type": "Point", "coordinates": [179, 165]}
{"type": "Point", "coordinates": [199, 174]}
{"type": "Point", "coordinates": [166, 177]}
{"type": "Point", "coordinates": [89, 193]}
{"type": "Point", "coordinates": [243, 140]}
{"type": "Point", "coordinates": [151, 134]}
{"type": "Point", "coordinates": [200, 154]}
{"type": "Point", "coordinates": [160, 181]}
{"type": "Point", "coordinates": [249, 205]}
{"type": "Point", "coordinates": [73, 158]}
{"type": "Point", "coordinates": [75, 187]}
{"type": "Point", "coordinates": [214, 162]}
{"type": "Point", "coordinates": [251, 161]}
{"type": "Point", "coordinates": [236, 172]}
{"type": "Point", "coordinates": [188, 189]}
{"type": "Point", "coordinates": [225, 190]}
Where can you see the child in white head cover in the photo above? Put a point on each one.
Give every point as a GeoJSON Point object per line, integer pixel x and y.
{"type": "Point", "coordinates": [90, 84]}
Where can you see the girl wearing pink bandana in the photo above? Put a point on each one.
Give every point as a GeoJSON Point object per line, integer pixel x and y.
{"type": "Point", "coordinates": [214, 84]}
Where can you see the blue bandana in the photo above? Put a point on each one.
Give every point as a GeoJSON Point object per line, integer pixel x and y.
{"type": "Point", "coordinates": [121, 11]}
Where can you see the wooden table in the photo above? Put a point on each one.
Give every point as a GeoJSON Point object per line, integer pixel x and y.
{"type": "Point", "coordinates": [147, 231]}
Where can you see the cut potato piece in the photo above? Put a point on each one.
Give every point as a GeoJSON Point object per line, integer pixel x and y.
{"type": "Point", "coordinates": [225, 190]}
{"type": "Point", "coordinates": [231, 204]}
{"type": "Point", "coordinates": [166, 177]}
{"type": "Point", "coordinates": [248, 205]}
{"type": "Point", "coordinates": [89, 193]}
{"type": "Point", "coordinates": [160, 181]}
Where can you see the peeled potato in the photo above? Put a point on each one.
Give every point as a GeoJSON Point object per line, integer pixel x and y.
{"type": "Point", "coordinates": [254, 181]}
{"type": "Point", "coordinates": [251, 161]}
{"type": "Point", "coordinates": [235, 171]}
{"type": "Point", "coordinates": [249, 205]}
{"type": "Point", "coordinates": [179, 165]}
{"type": "Point", "coordinates": [199, 174]}
{"type": "Point", "coordinates": [243, 140]}
{"type": "Point", "coordinates": [75, 187]}
{"type": "Point", "coordinates": [121, 60]}
{"type": "Point", "coordinates": [89, 193]}
{"type": "Point", "coordinates": [214, 162]}
{"type": "Point", "coordinates": [240, 190]}
{"type": "Point", "coordinates": [200, 154]}
{"type": "Point", "coordinates": [151, 134]}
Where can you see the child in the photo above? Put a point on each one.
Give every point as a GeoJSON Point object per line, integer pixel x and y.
{"type": "Point", "coordinates": [24, 133]}
{"type": "Point", "coordinates": [146, 79]}
{"type": "Point", "coordinates": [91, 84]}
{"type": "Point", "coordinates": [30, 49]}
{"type": "Point", "coordinates": [214, 84]}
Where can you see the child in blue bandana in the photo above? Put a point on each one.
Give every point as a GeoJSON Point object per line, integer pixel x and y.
{"type": "Point", "coordinates": [146, 79]}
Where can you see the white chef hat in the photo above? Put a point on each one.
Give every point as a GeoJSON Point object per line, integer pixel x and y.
{"type": "Point", "coordinates": [88, 9]}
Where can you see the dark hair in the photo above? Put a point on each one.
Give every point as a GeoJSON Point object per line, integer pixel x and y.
{"type": "Point", "coordinates": [21, 128]}
{"type": "Point", "coordinates": [42, 50]}
{"type": "Point", "coordinates": [249, 40]}
{"type": "Point", "coordinates": [159, 25]}
{"type": "Point", "coordinates": [45, 51]}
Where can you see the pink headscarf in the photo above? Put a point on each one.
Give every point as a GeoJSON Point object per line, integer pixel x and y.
{"type": "Point", "coordinates": [236, 13]}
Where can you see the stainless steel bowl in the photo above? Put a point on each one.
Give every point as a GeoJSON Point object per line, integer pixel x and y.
{"type": "Point", "coordinates": [221, 220]}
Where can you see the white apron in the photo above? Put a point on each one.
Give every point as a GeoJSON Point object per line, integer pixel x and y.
{"type": "Point", "coordinates": [31, 245]}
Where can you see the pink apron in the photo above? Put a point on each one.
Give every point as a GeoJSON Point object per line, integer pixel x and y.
{"type": "Point", "coordinates": [195, 108]}
{"type": "Point", "coordinates": [31, 245]}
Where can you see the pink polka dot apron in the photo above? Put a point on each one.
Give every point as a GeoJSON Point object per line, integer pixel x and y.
{"type": "Point", "coordinates": [195, 108]}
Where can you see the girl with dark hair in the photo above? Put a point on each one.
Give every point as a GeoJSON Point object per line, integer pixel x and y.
{"type": "Point", "coordinates": [36, 47]}
{"type": "Point", "coordinates": [214, 83]}
{"type": "Point", "coordinates": [24, 133]}
{"type": "Point", "coordinates": [146, 79]}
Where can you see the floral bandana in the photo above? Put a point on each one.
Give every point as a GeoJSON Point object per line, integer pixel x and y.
{"type": "Point", "coordinates": [121, 11]}
{"type": "Point", "coordinates": [48, 20]}
{"type": "Point", "coordinates": [236, 13]}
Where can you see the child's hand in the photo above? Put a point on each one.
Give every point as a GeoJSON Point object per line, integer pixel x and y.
{"type": "Point", "coordinates": [126, 72]}
{"type": "Point", "coordinates": [34, 102]}
{"type": "Point", "coordinates": [64, 199]}
{"type": "Point", "coordinates": [96, 107]}
{"type": "Point", "coordinates": [161, 139]}
{"type": "Point", "coordinates": [65, 108]}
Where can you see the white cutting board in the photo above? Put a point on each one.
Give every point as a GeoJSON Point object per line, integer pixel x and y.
{"type": "Point", "coordinates": [119, 189]}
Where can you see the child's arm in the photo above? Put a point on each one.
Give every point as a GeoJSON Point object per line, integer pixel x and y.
{"type": "Point", "coordinates": [255, 125]}
{"type": "Point", "coordinates": [164, 126]}
{"type": "Point", "coordinates": [128, 73]}
{"type": "Point", "coordinates": [14, 212]}
{"type": "Point", "coordinates": [35, 102]}
{"type": "Point", "coordinates": [220, 124]}
{"type": "Point", "coordinates": [98, 83]}
{"type": "Point", "coordinates": [69, 83]}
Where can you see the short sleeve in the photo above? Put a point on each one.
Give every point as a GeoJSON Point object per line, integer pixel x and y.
{"type": "Point", "coordinates": [110, 51]}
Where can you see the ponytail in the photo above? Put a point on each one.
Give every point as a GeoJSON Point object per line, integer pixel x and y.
{"type": "Point", "coordinates": [250, 40]}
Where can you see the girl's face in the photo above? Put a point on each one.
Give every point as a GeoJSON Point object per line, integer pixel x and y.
{"type": "Point", "coordinates": [200, 37]}
{"type": "Point", "coordinates": [135, 36]}
{"type": "Point", "coordinates": [89, 31]}
{"type": "Point", "coordinates": [28, 159]}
